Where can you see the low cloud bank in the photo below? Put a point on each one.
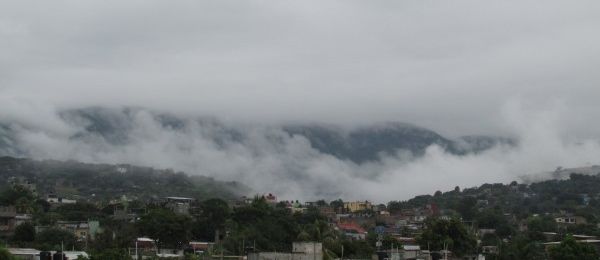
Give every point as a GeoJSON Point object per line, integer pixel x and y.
{"type": "Point", "coordinates": [268, 159]}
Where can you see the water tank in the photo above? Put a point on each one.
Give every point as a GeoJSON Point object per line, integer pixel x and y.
{"type": "Point", "coordinates": [59, 255]}
{"type": "Point", "coordinates": [45, 255]}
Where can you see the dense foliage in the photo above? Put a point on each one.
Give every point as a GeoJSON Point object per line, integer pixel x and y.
{"type": "Point", "coordinates": [569, 249]}
{"type": "Point", "coordinates": [104, 181]}
{"type": "Point", "coordinates": [450, 234]}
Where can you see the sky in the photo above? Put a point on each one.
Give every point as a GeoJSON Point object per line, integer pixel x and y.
{"type": "Point", "coordinates": [525, 69]}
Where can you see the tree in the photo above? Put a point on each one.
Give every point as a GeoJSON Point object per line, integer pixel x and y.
{"type": "Point", "coordinates": [466, 208]}
{"type": "Point", "coordinates": [115, 235]}
{"type": "Point", "coordinates": [269, 228]}
{"type": "Point", "coordinates": [490, 240]}
{"type": "Point", "coordinates": [357, 248]}
{"type": "Point", "coordinates": [24, 233]}
{"type": "Point", "coordinates": [111, 254]}
{"type": "Point", "coordinates": [394, 206]}
{"type": "Point", "coordinates": [214, 213]}
{"type": "Point", "coordinates": [11, 195]}
{"type": "Point", "coordinates": [493, 219]}
{"type": "Point", "coordinates": [337, 205]}
{"type": "Point", "coordinates": [53, 239]}
{"type": "Point", "coordinates": [570, 249]}
{"type": "Point", "coordinates": [521, 248]}
{"type": "Point", "coordinates": [537, 225]}
{"type": "Point", "coordinates": [165, 227]}
{"type": "Point", "coordinates": [439, 233]}
{"type": "Point", "coordinates": [79, 211]}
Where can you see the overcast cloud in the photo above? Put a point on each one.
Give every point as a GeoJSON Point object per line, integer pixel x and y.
{"type": "Point", "coordinates": [526, 69]}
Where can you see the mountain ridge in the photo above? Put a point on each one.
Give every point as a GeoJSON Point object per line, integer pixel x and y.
{"type": "Point", "coordinates": [116, 126]}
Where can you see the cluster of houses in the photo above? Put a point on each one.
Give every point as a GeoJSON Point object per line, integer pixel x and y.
{"type": "Point", "coordinates": [353, 218]}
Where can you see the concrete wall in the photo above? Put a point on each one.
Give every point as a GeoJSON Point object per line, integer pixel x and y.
{"type": "Point", "coordinates": [269, 256]}
{"type": "Point", "coordinates": [300, 251]}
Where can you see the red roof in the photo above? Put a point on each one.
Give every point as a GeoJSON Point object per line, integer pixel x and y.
{"type": "Point", "coordinates": [351, 226]}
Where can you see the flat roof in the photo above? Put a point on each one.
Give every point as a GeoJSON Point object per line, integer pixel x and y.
{"type": "Point", "coordinates": [180, 198]}
{"type": "Point", "coordinates": [411, 247]}
{"type": "Point", "coordinates": [23, 251]}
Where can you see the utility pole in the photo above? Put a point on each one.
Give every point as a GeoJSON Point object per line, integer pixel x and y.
{"type": "Point", "coordinates": [445, 251]}
{"type": "Point", "coordinates": [136, 250]}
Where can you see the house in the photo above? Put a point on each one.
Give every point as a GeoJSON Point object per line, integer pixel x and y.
{"type": "Point", "coordinates": [54, 199]}
{"type": "Point", "coordinates": [356, 206]}
{"type": "Point", "coordinates": [295, 206]}
{"type": "Point", "coordinates": [179, 205]}
{"type": "Point", "coordinates": [411, 252]}
{"type": "Point", "coordinates": [571, 220]}
{"type": "Point", "coordinates": [352, 230]}
{"type": "Point", "coordinates": [489, 250]}
{"type": "Point", "coordinates": [22, 218]}
{"type": "Point", "coordinates": [240, 202]}
{"type": "Point", "coordinates": [144, 244]}
{"type": "Point", "coordinates": [201, 247]}
{"type": "Point", "coordinates": [81, 230]}
{"type": "Point", "coordinates": [7, 220]}
{"type": "Point", "coordinates": [387, 219]}
{"type": "Point", "coordinates": [121, 213]}
{"type": "Point", "coordinates": [270, 199]}
{"type": "Point", "coordinates": [143, 247]}
{"type": "Point", "coordinates": [311, 204]}
{"type": "Point", "coordinates": [328, 212]}
{"type": "Point", "coordinates": [484, 231]}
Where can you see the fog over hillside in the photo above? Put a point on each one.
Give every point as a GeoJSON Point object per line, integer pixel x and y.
{"type": "Point", "coordinates": [372, 100]}
{"type": "Point", "coordinates": [306, 162]}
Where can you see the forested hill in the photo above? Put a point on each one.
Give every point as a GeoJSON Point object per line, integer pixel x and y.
{"type": "Point", "coordinates": [101, 127]}
{"type": "Point", "coordinates": [105, 181]}
{"type": "Point", "coordinates": [578, 195]}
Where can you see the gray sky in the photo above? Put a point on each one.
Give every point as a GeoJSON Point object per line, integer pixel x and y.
{"type": "Point", "coordinates": [526, 69]}
{"type": "Point", "coordinates": [451, 66]}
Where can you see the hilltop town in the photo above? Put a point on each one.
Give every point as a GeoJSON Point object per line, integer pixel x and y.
{"type": "Point", "coordinates": [41, 216]}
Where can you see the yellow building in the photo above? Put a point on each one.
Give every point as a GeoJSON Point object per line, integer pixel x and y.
{"type": "Point", "coordinates": [355, 206]}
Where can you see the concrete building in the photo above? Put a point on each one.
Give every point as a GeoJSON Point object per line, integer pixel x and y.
{"type": "Point", "coordinates": [307, 251]}
{"type": "Point", "coordinates": [575, 220]}
{"type": "Point", "coordinates": [179, 205]}
{"type": "Point", "coordinates": [355, 206]}
{"type": "Point", "coordinates": [7, 220]}
{"type": "Point", "coordinates": [201, 247]}
{"type": "Point", "coordinates": [300, 251]}
{"type": "Point", "coordinates": [54, 199]}
{"type": "Point", "coordinates": [82, 230]}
